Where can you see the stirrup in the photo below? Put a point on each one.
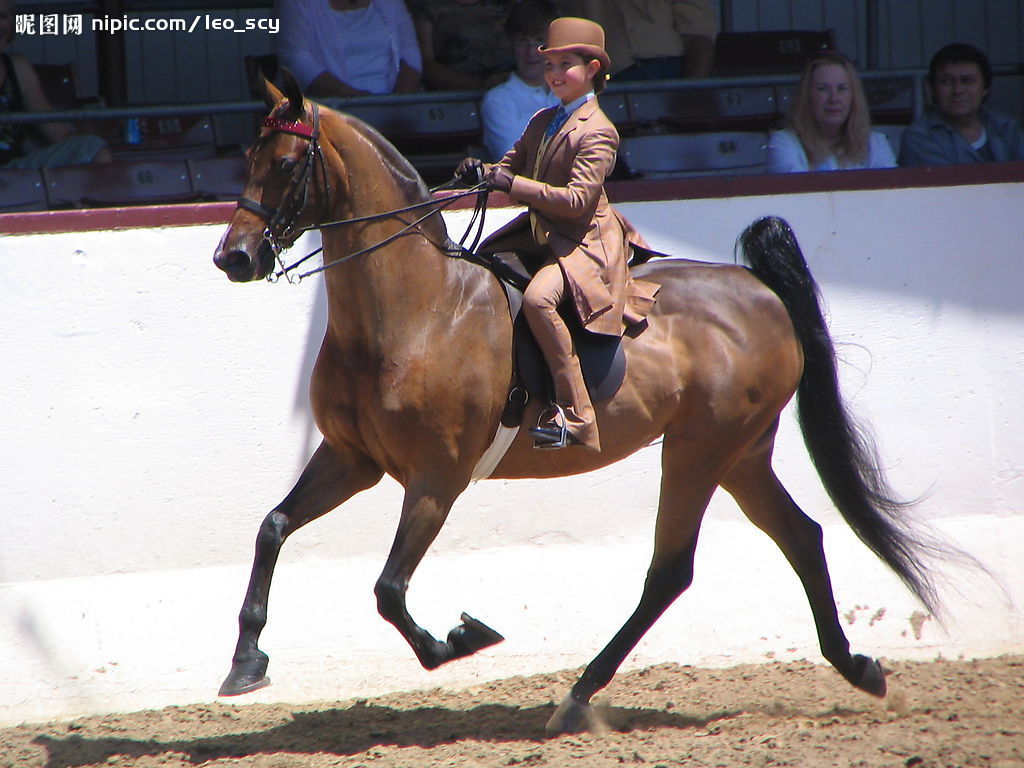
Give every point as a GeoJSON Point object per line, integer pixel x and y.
{"type": "Point", "coordinates": [552, 438]}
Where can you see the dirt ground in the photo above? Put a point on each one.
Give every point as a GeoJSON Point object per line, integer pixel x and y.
{"type": "Point", "coordinates": [938, 713]}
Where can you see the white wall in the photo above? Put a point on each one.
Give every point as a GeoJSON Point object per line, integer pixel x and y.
{"type": "Point", "coordinates": [153, 413]}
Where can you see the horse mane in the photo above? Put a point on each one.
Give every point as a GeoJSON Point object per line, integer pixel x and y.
{"type": "Point", "coordinates": [407, 177]}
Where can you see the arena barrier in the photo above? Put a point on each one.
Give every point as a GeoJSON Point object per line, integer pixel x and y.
{"type": "Point", "coordinates": [154, 413]}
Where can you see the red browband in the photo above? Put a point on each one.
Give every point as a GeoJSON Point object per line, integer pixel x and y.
{"type": "Point", "coordinates": [293, 127]}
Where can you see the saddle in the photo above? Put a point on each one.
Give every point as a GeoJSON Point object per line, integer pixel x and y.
{"type": "Point", "coordinates": [602, 358]}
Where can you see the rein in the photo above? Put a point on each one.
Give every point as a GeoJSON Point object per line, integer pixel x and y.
{"type": "Point", "coordinates": [477, 220]}
{"type": "Point", "coordinates": [281, 221]}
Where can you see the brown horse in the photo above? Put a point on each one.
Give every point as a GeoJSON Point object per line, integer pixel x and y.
{"type": "Point", "coordinates": [416, 366]}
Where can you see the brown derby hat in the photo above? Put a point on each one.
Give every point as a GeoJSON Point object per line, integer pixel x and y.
{"type": "Point", "coordinates": [569, 33]}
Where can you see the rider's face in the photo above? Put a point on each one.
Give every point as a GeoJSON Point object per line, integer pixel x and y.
{"type": "Point", "coordinates": [568, 75]}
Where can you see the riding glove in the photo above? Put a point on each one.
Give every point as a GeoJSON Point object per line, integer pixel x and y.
{"type": "Point", "coordinates": [470, 171]}
{"type": "Point", "coordinates": [499, 179]}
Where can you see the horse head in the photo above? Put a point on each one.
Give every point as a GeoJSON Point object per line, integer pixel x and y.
{"type": "Point", "coordinates": [288, 188]}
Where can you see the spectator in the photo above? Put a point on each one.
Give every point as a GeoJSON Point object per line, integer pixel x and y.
{"type": "Point", "coordinates": [960, 128]}
{"type": "Point", "coordinates": [349, 47]}
{"type": "Point", "coordinates": [654, 39]}
{"type": "Point", "coordinates": [508, 107]}
{"type": "Point", "coordinates": [460, 44]}
{"type": "Point", "coordinates": [830, 125]}
{"type": "Point", "coordinates": [20, 90]}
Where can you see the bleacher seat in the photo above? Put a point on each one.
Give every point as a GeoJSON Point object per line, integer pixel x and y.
{"type": "Point", "coordinates": [218, 178]}
{"type": "Point", "coordinates": [118, 183]}
{"type": "Point", "coordinates": [21, 190]}
{"type": "Point", "coordinates": [891, 101]}
{"type": "Point", "coordinates": [695, 154]}
{"type": "Point", "coordinates": [174, 137]}
{"type": "Point", "coordinates": [707, 109]}
{"type": "Point", "coordinates": [435, 122]}
{"type": "Point", "coordinates": [434, 136]}
{"type": "Point", "coordinates": [616, 107]}
{"type": "Point", "coordinates": [769, 51]}
{"type": "Point", "coordinates": [894, 133]}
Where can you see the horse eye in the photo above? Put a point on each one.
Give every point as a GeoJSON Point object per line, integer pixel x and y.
{"type": "Point", "coordinates": [287, 164]}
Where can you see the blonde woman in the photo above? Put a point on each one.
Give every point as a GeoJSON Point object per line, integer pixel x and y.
{"type": "Point", "coordinates": [830, 125]}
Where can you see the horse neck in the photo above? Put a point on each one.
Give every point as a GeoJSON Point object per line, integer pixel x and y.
{"type": "Point", "coordinates": [399, 282]}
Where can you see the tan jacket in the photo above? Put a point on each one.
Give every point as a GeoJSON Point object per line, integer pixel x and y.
{"type": "Point", "coordinates": [566, 197]}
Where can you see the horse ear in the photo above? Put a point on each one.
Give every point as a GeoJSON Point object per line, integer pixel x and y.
{"type": "Point", "coordinates": [292, 91]}
{"type": "Point", "coordinates": [271, 95]}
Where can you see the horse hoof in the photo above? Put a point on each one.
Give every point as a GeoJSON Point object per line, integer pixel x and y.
{"type": "Point", "coordinates": [471, 636]}
{"type": "Point", "coordinates": [573, 716]}
{"type": "Point", "coordinates": [868, 675]}
{"type": "Point", "coordinates": [245, 677]}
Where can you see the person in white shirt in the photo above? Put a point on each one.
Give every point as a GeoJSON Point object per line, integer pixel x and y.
{"type": "Point", "coordinates": [349, 47]}
{"type": "Point", "coordinates": [507, 108]}
{"type": "Point", "coordinates": [830, 124]}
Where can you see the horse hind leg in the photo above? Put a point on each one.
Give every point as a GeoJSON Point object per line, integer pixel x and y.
{"type": "Point", "coordinates": [329, 478]}
{"type": "Point", "coordinates": [764, 500]}
{"type": "Point", "coordinates": [686, 489]}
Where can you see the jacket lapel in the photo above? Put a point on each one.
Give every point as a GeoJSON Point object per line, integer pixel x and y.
{"type": "Point", "coordinates": [581, 115]}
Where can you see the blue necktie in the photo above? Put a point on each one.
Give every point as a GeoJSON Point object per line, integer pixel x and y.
{"type": "Point", "coordinates": [556, 122]}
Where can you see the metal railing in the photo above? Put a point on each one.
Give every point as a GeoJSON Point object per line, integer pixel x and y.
{"type": "Point", "coordinates": [235, 107]}
{"type": "Point", "coordinates": [917, 76]}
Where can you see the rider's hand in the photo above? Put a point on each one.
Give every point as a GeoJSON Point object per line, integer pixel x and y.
{"type": "Point", "coordinates": [499, 179]}
{"type": "Point", "coordinates": [470, 171]}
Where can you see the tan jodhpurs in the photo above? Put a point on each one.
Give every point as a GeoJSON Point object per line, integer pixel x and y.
{"type": "Point", "coordinates": [540, 304]}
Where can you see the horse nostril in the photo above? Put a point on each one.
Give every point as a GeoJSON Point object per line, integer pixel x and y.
{"type": "Point", "coordinates": [236, 263]}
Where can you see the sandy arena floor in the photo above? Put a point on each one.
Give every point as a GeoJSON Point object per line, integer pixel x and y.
{"type": "Point", "coordinates": [968, 714]}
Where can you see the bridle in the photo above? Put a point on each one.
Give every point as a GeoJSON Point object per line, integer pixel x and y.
{"type": "Point", "coordinates": [281, 222]}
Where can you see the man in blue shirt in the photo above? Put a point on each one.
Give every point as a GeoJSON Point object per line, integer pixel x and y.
{"type": "Point", "coordinates": [960, 129]}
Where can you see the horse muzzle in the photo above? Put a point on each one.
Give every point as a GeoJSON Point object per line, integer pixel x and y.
{"type": "Point", "coordinates": [242, 266]}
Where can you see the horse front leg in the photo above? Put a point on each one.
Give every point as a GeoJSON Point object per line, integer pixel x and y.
{"type": "Point", "coordinates": [423, 514]}
{"type": "Point", "coordinates": [330, 477]}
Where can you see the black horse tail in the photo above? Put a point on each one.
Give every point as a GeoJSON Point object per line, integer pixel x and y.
{"type": "Point", "coordinates": [843, 452]}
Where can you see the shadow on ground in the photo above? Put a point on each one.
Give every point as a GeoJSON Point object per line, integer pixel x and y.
{"type": "Point", "coordinates": [352, 730]}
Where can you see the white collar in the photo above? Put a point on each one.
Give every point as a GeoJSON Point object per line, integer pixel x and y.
{"type": "Point", "coordinates": [572, 106]}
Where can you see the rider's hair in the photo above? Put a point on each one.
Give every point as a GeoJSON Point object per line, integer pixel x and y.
{"type": "Point", "coordinates": [601, 78]}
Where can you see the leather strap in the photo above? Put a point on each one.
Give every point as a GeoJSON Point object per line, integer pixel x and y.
{"type": "Point", "coordinates": [290, 126]}
{"type": "Point", "coordinates": [254, 206]}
